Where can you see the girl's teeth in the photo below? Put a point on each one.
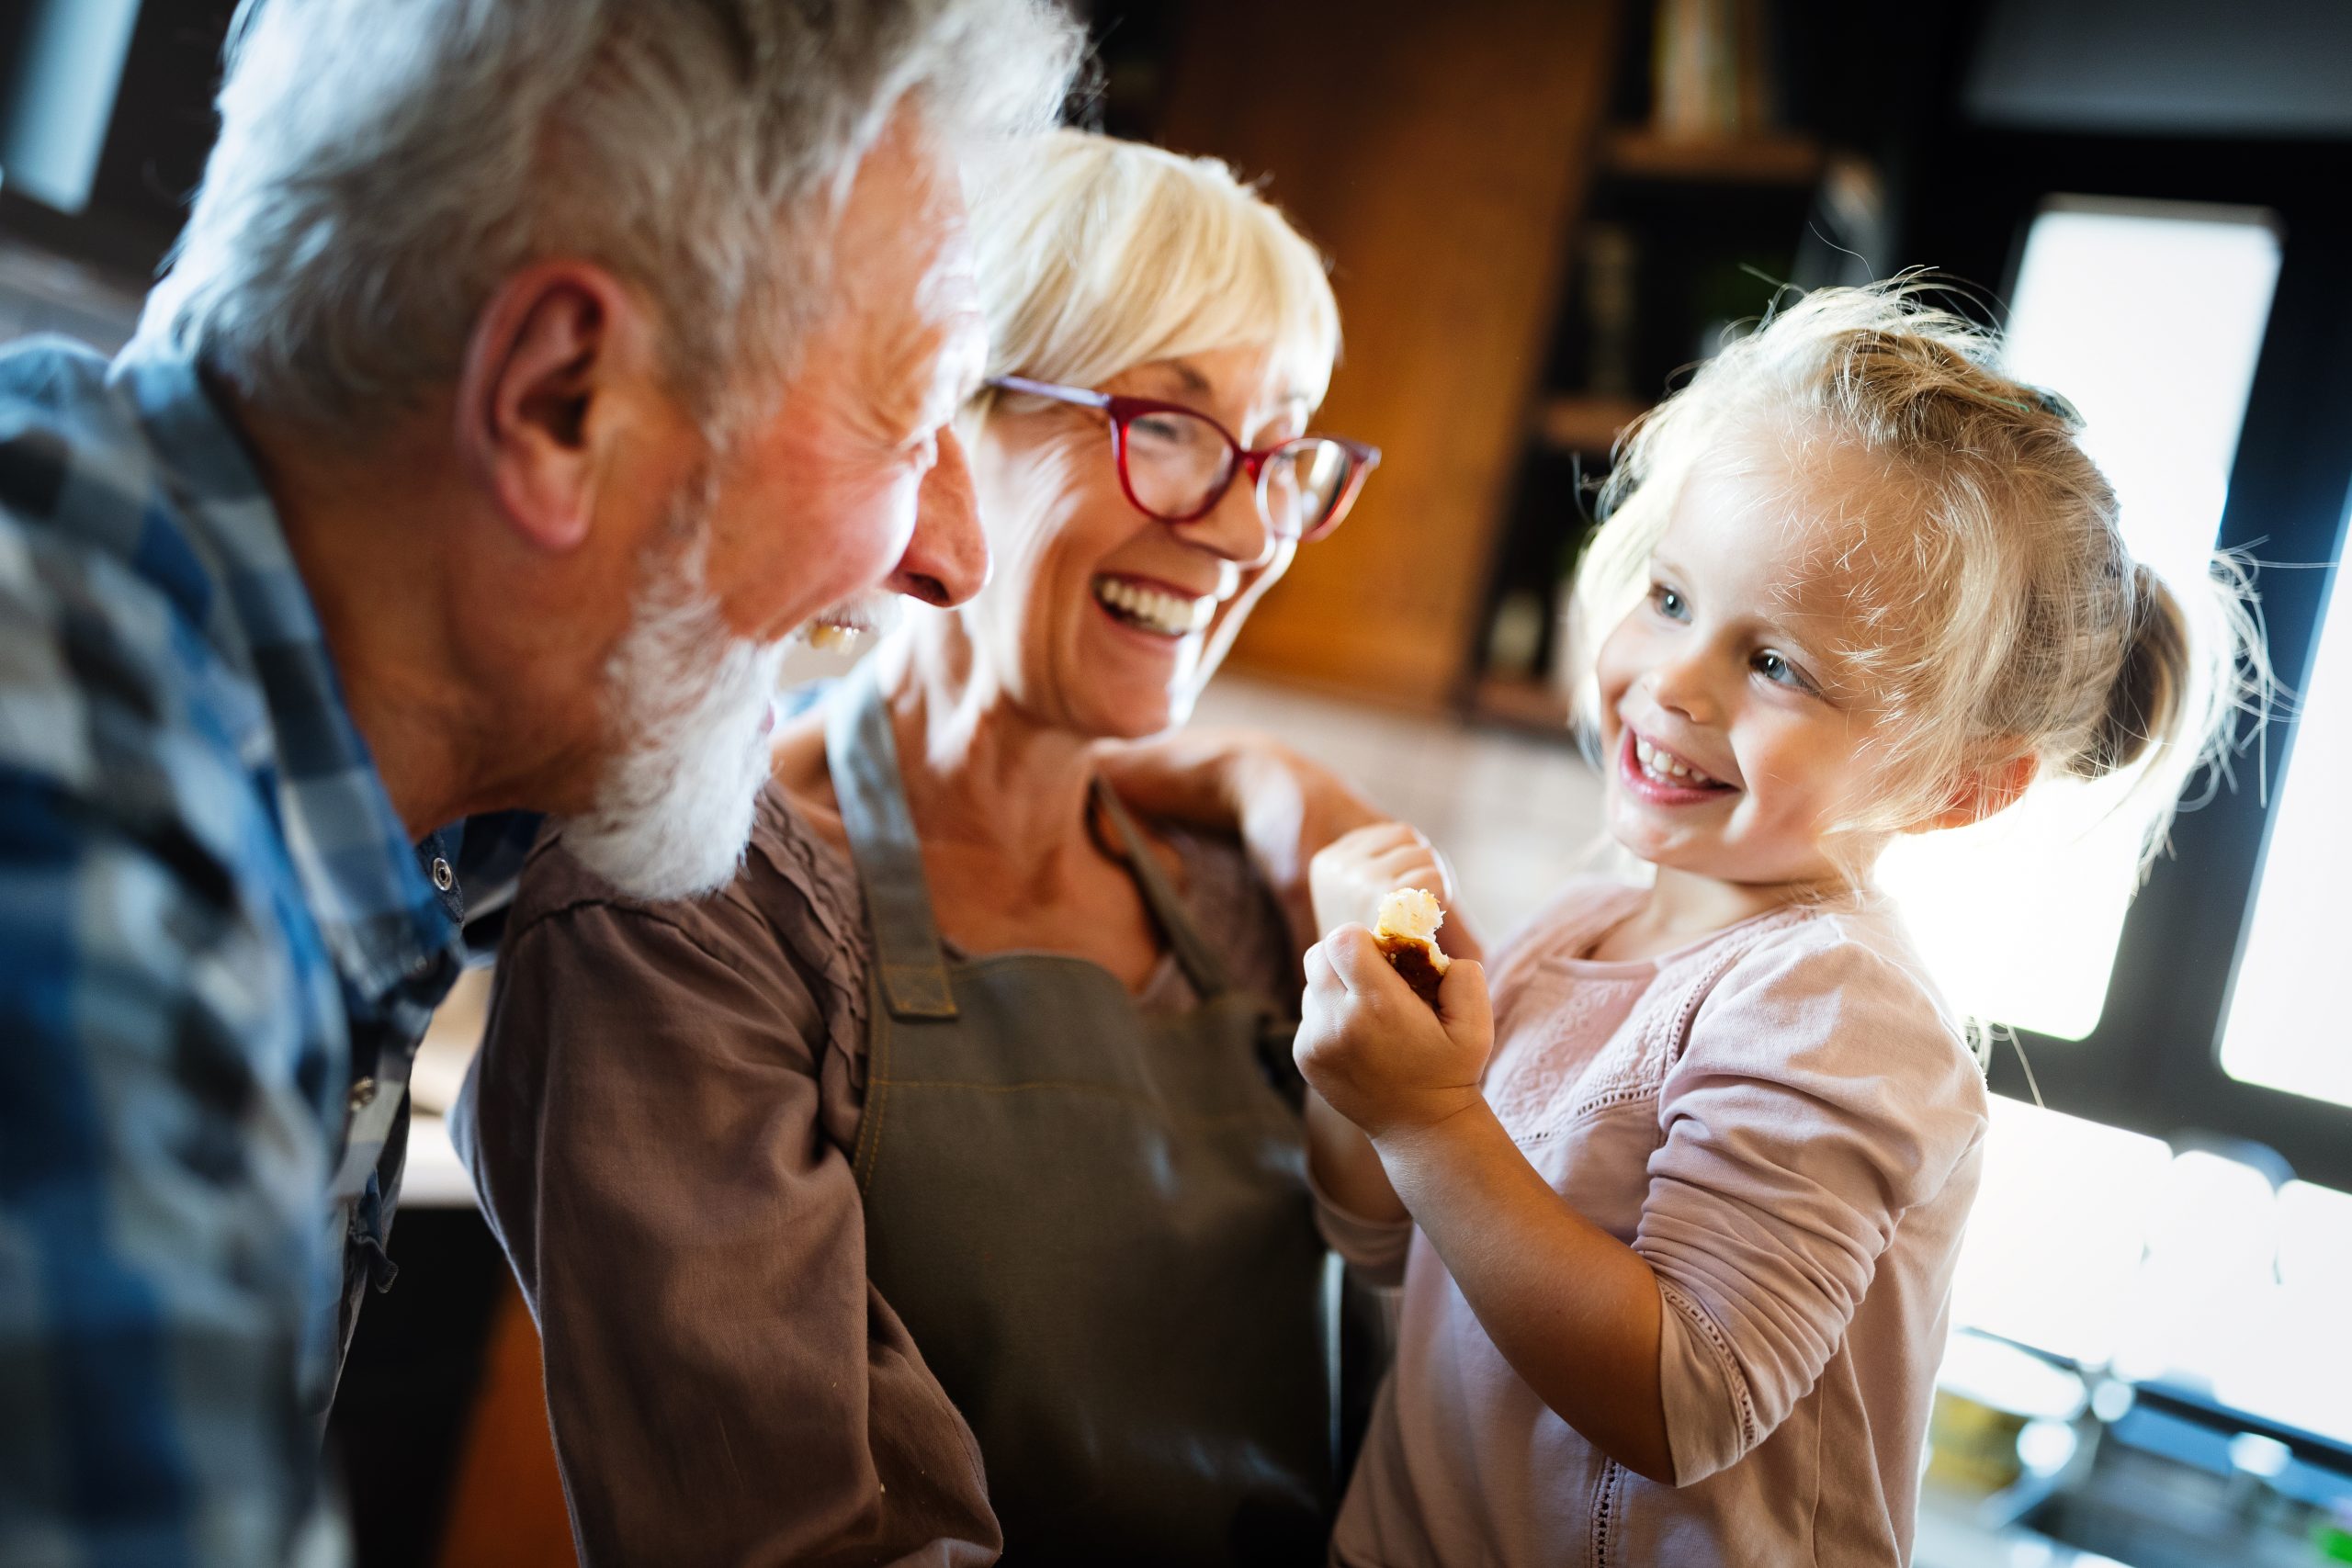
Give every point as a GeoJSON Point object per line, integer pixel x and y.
{"type": "Point", "coordinates": [1665, 766]}
{"type": "Point", "coordinates": [1152, 609]}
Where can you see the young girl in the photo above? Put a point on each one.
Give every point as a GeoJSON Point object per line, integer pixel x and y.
{"type": "Point", "coordinates": [1680, 1278]}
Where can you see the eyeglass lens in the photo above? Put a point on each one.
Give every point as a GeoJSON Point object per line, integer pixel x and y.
{"type": "Point", "coordinates": [1177, 462]}
{"type": "Point", "coordinates": [1301, 483]}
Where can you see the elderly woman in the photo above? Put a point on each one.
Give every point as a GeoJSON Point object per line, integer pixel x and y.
{"type": "Point", "coordinates": [937, 1188]}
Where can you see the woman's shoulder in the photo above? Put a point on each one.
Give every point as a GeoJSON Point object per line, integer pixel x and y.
{"type": "Point", "coordinates": [1213, 865]}
{"type": "Point", "coordinates": [768, 972]}
{"type": "Point", "coordinates": [1232, 907]}
{"type": "Point", "coordinates": [794, 898]}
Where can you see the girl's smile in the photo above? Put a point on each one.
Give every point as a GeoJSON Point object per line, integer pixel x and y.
{"type": "Point", "coordinates": [1662, 778]}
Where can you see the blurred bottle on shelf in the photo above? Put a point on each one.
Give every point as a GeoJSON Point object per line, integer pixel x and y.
{"type": "Point", "coordinates": [1697, 79]}
{"type": "Point", "coordinates": [1608, 275]}
{"type": "Point", "coordinates": [1711, 70]}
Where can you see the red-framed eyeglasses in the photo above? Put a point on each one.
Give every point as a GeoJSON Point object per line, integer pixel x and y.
{"type": "Point", "coordinates": [1176, 463]}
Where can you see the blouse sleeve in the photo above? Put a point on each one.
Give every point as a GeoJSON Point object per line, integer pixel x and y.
{"type": "Point", "coordinates": [724, 1384]}
{"type": "Point", "coordinates": [1822, 1094]}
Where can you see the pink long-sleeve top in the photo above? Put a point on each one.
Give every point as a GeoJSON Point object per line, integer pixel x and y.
{"type": "Point", "coordinates": [1785, 1121]}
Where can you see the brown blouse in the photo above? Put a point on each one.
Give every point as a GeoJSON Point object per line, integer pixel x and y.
{"type": "Point", "coordinates": [660, 1124]}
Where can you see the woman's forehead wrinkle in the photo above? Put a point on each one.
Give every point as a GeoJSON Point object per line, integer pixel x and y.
{"type": "Point", "coordinates": [1193, 378]}
{"type": "Point", "coordinates": [1273, 393]}
{"type": "Point", "coordinates": [1176, 379]}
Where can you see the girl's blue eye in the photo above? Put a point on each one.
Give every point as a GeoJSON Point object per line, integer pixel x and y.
{"type": "Point", "coordinates": [1669, 604]}
{"type": "Point", "coordinates": [1774, 668]}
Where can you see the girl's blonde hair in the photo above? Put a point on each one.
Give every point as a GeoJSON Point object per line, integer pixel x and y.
{"type": "Point", "coordinates": [2000, 611]}
{"type": "Point", "coordinates": [1097, 255]}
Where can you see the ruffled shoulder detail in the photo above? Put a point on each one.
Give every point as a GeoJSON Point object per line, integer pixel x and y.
{"type": "Point", "coordinates": [807, 892]}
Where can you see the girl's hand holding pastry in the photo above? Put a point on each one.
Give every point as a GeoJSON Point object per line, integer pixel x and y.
{"type": "Point", "coordinates": [1375, 1051]}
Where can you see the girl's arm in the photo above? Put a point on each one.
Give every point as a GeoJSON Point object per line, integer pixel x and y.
{"type": "Point", "coordinates": [1574, 1311]}
{"type": "Point", "coordinates": [1347, 1167]}
{"type": "Point", "coordinates": [1348, 879]}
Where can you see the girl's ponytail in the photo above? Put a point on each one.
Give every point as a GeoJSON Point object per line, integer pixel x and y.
{"type": "Point", "coordinates": [2148, 700]}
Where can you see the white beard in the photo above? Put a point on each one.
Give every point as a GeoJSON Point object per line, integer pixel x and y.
{"type": "Point", "coordinates": [673, 810]}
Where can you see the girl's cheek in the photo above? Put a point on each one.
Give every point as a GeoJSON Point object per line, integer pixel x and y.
{"type": "Point", "coordinates": [1618, 663]}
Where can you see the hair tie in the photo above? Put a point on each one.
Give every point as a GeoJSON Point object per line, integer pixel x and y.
{"type": "Point", "coordinates": [2054, 404]}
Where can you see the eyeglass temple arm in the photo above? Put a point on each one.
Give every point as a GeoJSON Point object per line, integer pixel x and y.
{"type": "Point", "coordinates": [1083, 396]}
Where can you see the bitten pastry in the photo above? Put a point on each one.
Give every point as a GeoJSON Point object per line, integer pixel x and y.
{"type": "Point", "coordinates": [1407, 933]}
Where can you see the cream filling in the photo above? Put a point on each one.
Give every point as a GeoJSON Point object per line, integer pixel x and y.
{"type": "Point", "coordinates": [1412, 912]}
{"type": "Point", "coordinates": [1154, 609]}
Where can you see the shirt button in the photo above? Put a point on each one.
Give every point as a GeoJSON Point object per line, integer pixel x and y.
{"type": "Point", "coordinates": [443, 877]}
{"type": "Point", "coordinates": [363, 1094]}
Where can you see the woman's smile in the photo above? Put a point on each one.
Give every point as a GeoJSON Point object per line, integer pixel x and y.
{"type": "Point", "coordinates": [1158, 609]}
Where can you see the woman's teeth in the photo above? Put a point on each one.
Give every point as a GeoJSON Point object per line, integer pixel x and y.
{"type": "Point", "coordinates": [1667, 768]}
{"type": "Point", "coordinates": [1152, 609]}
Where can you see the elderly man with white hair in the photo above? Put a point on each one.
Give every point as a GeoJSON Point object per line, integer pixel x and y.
{"type": "Point", "coordinates": [528, 372]}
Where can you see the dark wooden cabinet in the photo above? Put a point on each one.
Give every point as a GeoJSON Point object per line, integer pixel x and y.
{"type": "Point", "coordinates": [1440, 154]}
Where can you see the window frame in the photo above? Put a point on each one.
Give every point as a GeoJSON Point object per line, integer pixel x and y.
{"type": "Point", "coordinates": [155, 142]}
{"type": "Point", "coordinates": [2153, 1063]}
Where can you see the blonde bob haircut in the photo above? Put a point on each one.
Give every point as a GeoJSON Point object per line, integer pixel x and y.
{"type": "Point", "coordinates": [1097, 255]}
{"type": "Point", "coordinates": [2001, 612]}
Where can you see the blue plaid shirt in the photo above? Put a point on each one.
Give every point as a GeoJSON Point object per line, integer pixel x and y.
{"type": "Point", "coordinates": [218, 950]}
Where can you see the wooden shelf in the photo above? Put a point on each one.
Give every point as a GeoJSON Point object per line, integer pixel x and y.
{"type": "Point", "coordinates": [1585, 424]}
{"type": "Point", "coordinates": [1519, 701]}
{"type": "Point", "coordinates": [1779, 159]}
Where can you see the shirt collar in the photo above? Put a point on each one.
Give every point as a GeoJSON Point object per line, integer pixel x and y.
{"type": "Point", "coordinates": [377, 913]}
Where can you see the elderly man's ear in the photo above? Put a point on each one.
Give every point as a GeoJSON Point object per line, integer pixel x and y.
{"type": "Point", "coordinates": [562, 359]}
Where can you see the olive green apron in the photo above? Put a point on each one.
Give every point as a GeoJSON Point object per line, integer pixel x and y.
{"type": "Point", "coordinates": [1093, 1219]}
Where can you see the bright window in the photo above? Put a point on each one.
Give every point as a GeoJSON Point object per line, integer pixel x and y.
{"type": "Point", "coordinates": [2108, 1248]}
{"type": "Point", "coordinates": [53, 116]}
{"type": "Point", "coordinates": [2287, 1028]}
{"type": "Point", "coordinates": [2054, 1244]}
{"type": "Point", "coordinates": [2149, 319]}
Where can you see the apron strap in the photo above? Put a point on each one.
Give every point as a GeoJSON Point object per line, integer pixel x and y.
{"type": "Point", "coordinates": [863, 755]}
{"type": "Point", "coordinates": [1200, 962]}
